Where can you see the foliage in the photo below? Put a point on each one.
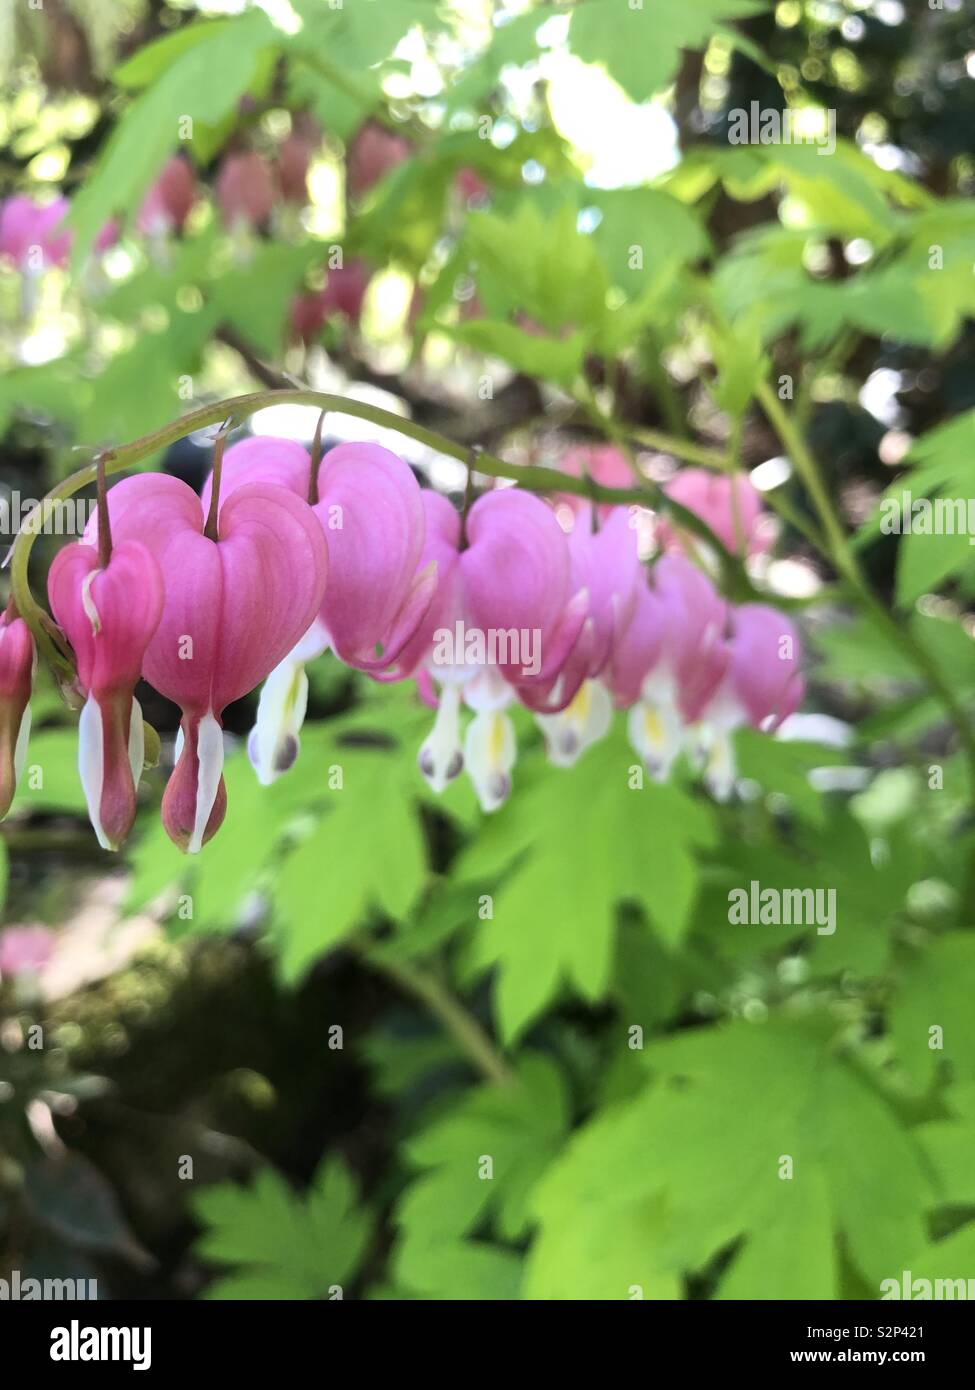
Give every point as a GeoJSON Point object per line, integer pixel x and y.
{"type": "Point", "coordinates": [589, 1082]}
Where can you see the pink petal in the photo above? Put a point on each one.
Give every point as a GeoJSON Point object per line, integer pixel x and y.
{"type": "Point", "coordinates": [372, 514]}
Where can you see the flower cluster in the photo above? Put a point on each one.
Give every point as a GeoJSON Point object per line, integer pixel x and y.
{"type": "Point", "coordinates": [285, 556]}
{"type": "Point", "coordinates": [250, 189]}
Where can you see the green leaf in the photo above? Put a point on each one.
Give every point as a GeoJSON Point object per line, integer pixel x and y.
{"type": "Point", "coordinates": [640, 47]}
{"type": "Point", "coordinates": [288, 1246]}
{"type": "Point", "coordinates": [466, 1270]}
{"type": "Point", "coordinates": [366, 853]}
{"type": "Point", "coordinates": [150, 62]}
{"type": "Point", "coordinates": [665, 232]}
{"type": "Point", "coordinates": [552, 359]}
{"type": "Point", "coordinates": [50, 780]}
{"type": "Point", "coordinates": [924, 562]}
{"type": "Point", "coordinates": [517, 1129]}
{"type": "Point", "coordinates": [262, 318]}
{"type": "Point", "coordinates": [940, 1269]}
{"type": "Point", "coordinates": [702, 1156]}
{"type": "Point", "coordinates": [150, 128]}
{"type": "Point", "coordinates": [781, 767]}
{"type": "Point", "coordinates": [555, 913]}
{"type": "Point", "coordinates": [932, 1020]}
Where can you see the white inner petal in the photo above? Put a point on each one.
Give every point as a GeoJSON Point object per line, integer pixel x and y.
{"type": "Point", "coordinates": [20, 748]}
{"type": "Point", "coordinates": [440, 758]}
{"type": "Point", "coordinates": [91, 764]}
{"type": "Point", "coordinates": [490, 750]}
{"type": "Point", "coordinates": [209, 747]}
{"type": "Point", "coordinates": [280, 715]}
{"type": "Point", "coordinates": [657, 734]}
{"type": "Point", "coordinates": [582, 723]}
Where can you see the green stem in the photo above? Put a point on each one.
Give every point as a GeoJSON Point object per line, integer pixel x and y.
{"type": "Point", "coordinates": [680, 448]}
{"type": "Point", "coordinates": [839, 551]}
{"type": "Point", "coordinates": [461, 1025]}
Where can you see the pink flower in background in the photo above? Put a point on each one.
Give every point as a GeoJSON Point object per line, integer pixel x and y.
{"type": "Point", "coordinates": [373, 152]}
{"type": "Point", "coordinates": [307, 316]}
{"type": "Point", "coordinates": [345, 290]}
{"type": "Point", "coordinates": [470, 185]}
{"type": "Point", "coordinates": [32, 235]}
{"type": "Point", "coordinates": [108, 236]}
{"type": "Point", "coordinates": [244, 190]}
{"type": "Point", "coordinates": [604, 464]}
{"type": "Point", "coordinates": [25, 950]}
{"type": "Point", "coordinates": [17, 661]}
{"type": "Point", "coordinates": [343, 296]}
{"type": "Point", "coordinates": [730, 506]}
{"type": "Point", "coordinates": [169, 201]}
{"type": "Point", "coordinates": [234, 607]}
{"type": "Point", "coordinates": [294, 155]}
{"type": "Point", "coordinates": [109, 616]}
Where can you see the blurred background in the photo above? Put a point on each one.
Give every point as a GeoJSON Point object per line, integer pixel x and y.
{"type": "Point", "coordinates": [273, 1071]}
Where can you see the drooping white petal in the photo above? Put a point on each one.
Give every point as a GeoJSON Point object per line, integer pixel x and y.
{"type": "Point", "coordinates": [20, 747]}
{"type": "Point", "coordinates": [275, 739]}
{"type": "Point", "coordinates": [440, 758]}
{"type": "Point", "coordinates": [210, 759]}
{"type": "Point", "coordinates": [657, 734]}
{"type": "Point", "coordinates": [490, 750]}
{"type": "Point", "coordinates": [720, 770]}
{"type": "Point", "coordinates": [91, 764]}
{"type": "Point", "coordinates": [583, 722]}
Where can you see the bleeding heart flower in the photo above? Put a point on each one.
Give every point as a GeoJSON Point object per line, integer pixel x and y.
{"type": "Point", "coordinates": [505, 619]}
{"type": "Point", "coordinates": [678, 653]}
{"type": "Point", "coordinates": [294, 156]}
{"type": "Point", "coordinates": [234, 607]}
{"type": "Point", "coordinates": [342, 297]}
{"type": "Point", "coordinates": [470, 186]}
{"type": "Point", "coordinates": [244, 190]}
{"type": "Point", "coordinates": [576, 710]}
{"type": "Point", "coordinates": [31, 234]}
{"type": "Point", "coordinates": [440, 758]}
{"type": "Point", "coordinates": [345, 291]}
{"type": "Point", "coordinates": [167, 205]}
{"type": "Point", "coordinates": [373, 152]}
{"type": "Point", "coordinates": [371, 514]}
{"type": "Point", "coordinates": [761, 687]}
{"type": "Point", "coordinates": [730, 506]}
{"type": "Point", "coordinates": [17, 663]}
{"type": "Point", "coordinates": [109, 616]}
